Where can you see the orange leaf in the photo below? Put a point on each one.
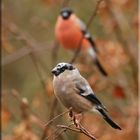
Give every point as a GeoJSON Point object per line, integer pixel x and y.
{"type": "Point", "coordinates": [118, 92]}
{"type": "Point", "coordinates": [49, 87]}
{"type": "Point", "coordinates": [5, 117]}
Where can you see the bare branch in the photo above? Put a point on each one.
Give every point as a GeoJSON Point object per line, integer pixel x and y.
{"type": "Point", "coordinates": [21, 53]}
{"type": "Point", "coordinates": [69, 128]}
{"type": "Point", "coordinates": [31, 43]}
{"type": "Point", "coordinates": [53, 107]}
{"type": "Point", "coordinates": [57, 117]}
{"type": "Point", "coordinates": [55, 52]}
{"type": "Point", "coordinates": [58, 134]}
{"type": "Point", "coordinates": [125, 35]}
{"type": "Point", "coordinates": [78, 127]}
{"type": "Point", "coordinates": [50, 122]}
{"type": "Point", "coordinates": [93, 13]}
{"type": "Point", "coordinates": [65, 3]}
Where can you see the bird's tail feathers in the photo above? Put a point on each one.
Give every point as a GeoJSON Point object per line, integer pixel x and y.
{"type": "Point", "coordinates": [107, 118]}
{"type": "Point", "coordinates": [100, 67]}
{"type": "Point", "coordinates": [93, 54]}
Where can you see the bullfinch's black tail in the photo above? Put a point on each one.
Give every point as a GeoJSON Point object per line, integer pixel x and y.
{"type": "Point", "coordinates": [94, 50]}
{"type": "Point", "coordinates": [100, 67]}
{"type": "Point", "coordinates": [107, 118]}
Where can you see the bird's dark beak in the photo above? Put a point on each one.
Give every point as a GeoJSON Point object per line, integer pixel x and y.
{"type": "Point", "coordinates": [65, 15]}
{"type": "Point", "coordinates": [55, 71]}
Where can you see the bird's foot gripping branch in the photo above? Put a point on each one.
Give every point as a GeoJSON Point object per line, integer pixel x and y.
{"type": "Point", "coordinates": [75, 126]}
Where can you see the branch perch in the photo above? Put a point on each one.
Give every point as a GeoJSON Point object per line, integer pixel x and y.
{"type": "Point", "coordinates": [80, 129]}
{"type": "Point", "coordinates": [77, 127]}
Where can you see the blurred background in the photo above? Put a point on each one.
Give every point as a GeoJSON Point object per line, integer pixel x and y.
{"type": "Point", "coordinates": [30, 51]}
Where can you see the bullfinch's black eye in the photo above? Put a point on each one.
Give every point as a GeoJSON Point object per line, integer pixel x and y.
{"type": "Point", "coordinates": [71, 67]}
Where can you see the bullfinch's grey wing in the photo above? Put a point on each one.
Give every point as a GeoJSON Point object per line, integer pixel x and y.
{"type": "Point", "coordinates": [86, 92]}
{"type": "Point", "coordinates": [92, 43]}
{"type": "Point", "coordinates": [86, 34]}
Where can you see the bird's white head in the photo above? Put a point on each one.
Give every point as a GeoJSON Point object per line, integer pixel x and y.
{"type": "Point", "coordinates": [61, 67]}
{"type": "Point", "coordinates": [66, 13]}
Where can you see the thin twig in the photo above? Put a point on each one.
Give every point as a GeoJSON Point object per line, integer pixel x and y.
{"type": "Point", "coordinates": [87, 26]}
{"type": "Point", "coordinates": [53, 107]}
{"type": "Point", "coordinates": [129, 44]}
{"type": "Point", "coordinates": [50, 136]}
{"type": "Point", "coordinates": [48, 123]}
{"type": "Point", "coordinates": [59, 134]}
{"type": "Point", "coordinates": [55, 52]}
{"type": "Point", "coordinates": [20, 53]}
{"type": "Point", "coordinates": [51, 121]}
{"type": "Point", "coordinates": [80, 129]}
{"type": "Point", "coordinates": [37, 68]}
{"type": "Point", "coordinates": [86, 132]}
{"type": "Point", "coordinates": [31, 43]}
{"type": "Point", "coordinates": [93, 13]}
{"type": "Point", "coordinates": [65, 3]}
{"type": "Point", "coordinates": [69, 128]}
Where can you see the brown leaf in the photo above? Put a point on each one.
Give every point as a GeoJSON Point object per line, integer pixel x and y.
{"type": "Point", "coordinates": [118, 92]}
{"type": "Point", "coordinates": [49, 87]}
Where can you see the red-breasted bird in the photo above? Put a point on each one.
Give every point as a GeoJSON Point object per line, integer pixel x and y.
{"type": "Point", "coordinates": [70, 31]}
{"type": "Point", "coordinates": [74, 91]}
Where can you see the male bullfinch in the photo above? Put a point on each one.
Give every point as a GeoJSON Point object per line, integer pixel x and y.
{"type": "Point", "coordinates": [74, 91]}
{"type": "Point", "coordinates": [70, 32]}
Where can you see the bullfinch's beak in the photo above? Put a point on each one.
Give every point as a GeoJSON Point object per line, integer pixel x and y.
{"type": "Point", "coordinates": [55, 71]}
{"type": "Point", "coordinates": [65, 15]}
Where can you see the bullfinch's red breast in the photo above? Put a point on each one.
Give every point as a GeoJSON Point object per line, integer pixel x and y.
{"type": "Point", "coordinates": [71, 32]}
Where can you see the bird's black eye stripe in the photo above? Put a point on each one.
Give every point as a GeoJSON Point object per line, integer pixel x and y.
{"type": "Point", "coordinates": [63, 68]}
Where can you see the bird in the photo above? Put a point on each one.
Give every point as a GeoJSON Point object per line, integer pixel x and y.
{"type": "Point", "coordinates": [74, 91]}
{"type": "Point", "coordinates": [71, 32]}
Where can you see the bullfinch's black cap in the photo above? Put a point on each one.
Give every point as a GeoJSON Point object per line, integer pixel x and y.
{"type": "Point", "coordinates": [66, 13]}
